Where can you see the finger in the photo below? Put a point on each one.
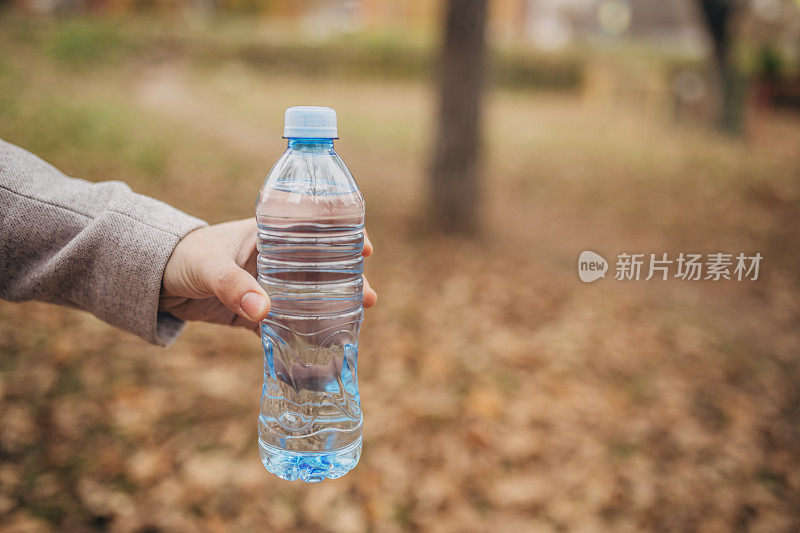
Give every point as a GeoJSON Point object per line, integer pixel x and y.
{"type": "Point", "coordinates": [251, 265]}
{"type": "Point", "coordinates": [370, 296]}
{"type": "Point", "coordinates": [249, 239]}
{"type": "Point", "coordinates": [237, 290]}
{"type": "Point", "coordinates": [239, 322]}
{"type": "Point", "coordinates": [368, 248]}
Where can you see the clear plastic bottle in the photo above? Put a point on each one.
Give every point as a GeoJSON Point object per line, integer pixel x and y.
{"type": "Point", "coordinates": [310, 216]}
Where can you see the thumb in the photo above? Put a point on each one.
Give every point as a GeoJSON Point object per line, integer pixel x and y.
{"type": "Point", "coordinates": [239, 291]}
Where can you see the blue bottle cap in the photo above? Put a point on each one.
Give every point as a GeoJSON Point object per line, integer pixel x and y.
{"type": "Point", "coordinates": [310, 122]}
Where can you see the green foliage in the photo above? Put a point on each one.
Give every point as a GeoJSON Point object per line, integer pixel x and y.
{"type": "Point", "coordinates": [85, 42]}
{"type": "Point", "coordinates": [770, 62]}
{"type": "Point", "coordinates": [93, 42]}
{"type": "Point", "coordinates": [385, 59]}
{"type": "Point", "coordinates": [246, 7]}
{"type": "Point", "coordinates": [396, 59]}
{"type": "Point", "coordinates": [68, 131]}
{"type": "Point", "coordinates": [82, 126]}
{"type": "Point", "coordinates": [151, 159]}
{"type": "Point", "coordinates": [525, 70]}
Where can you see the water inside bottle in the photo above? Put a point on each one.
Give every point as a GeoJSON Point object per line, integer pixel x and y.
{"type": "Point", "coordinates": [310, 263]}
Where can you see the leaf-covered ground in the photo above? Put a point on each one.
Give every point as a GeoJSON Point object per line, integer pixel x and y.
{"type": "Point", "coordinates": [500, 393]}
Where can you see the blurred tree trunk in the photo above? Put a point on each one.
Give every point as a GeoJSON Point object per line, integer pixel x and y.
{"type": "Point", "coordinates": [718, 16]}
{"type": "Point", "coordinates": [455, 173]}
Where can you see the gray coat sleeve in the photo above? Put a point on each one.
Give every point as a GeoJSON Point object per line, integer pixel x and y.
{"type": "Point", "coordinates": [95, 246]}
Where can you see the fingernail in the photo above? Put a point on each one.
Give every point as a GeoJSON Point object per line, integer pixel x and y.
{"type": "Point", "coordinates": [254, 306]}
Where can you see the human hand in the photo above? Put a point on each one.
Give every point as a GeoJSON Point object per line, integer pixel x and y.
{"type": "Point", "coordinates": [211, 277]}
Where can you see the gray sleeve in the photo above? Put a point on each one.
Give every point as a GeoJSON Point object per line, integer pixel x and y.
{"type": "Point", "coordinates": [95, 246]}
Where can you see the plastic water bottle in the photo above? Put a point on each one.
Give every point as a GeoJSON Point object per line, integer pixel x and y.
{"type": "Point", "coordinates": [310, 216]}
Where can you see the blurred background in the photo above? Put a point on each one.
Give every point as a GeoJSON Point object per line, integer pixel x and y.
{"type": "Point", "coordinates": [493, 143]}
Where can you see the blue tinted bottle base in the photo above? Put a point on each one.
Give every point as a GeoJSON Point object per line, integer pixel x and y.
{"type": "Point", "coordinates": [309, 466]}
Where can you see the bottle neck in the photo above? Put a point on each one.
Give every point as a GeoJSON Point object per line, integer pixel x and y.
{"type": "Point", "coordinates": [310, 145]}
